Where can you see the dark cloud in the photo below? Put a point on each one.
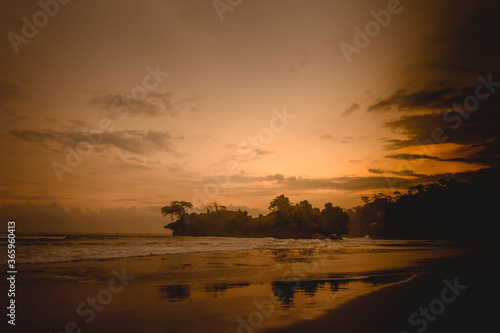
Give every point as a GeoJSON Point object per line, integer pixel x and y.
{"type": "Point", "coordinates": [391, 180]}
{"type": "Point", "coordinates": [141, 142]}
{"type": "Point", "coordinates": [342, 139]}
{"type": "Point", "coordinates": [403, 173]}
{"type": "Point", "coordinates": [297, 183]}
{"type": "Point", "coordinates": [463, 46]}
{"type": "Point", "coordinates": [277, 177]}
{"type": "Point", "coordinates": [153, 105]}
{"type": "Point", "coordinates": [245, 179]}
{"type": "Point", "coordinates": [412, 157]}
{"type": "Point", "coordinates": [485, 160]}
{"type": "Point", "coordinates": [37, 136]}
{"type": "Point", "coordinates": [473, 126]}
{"type": "Point", "coordinates": [55, 218]}
{"type": "Point", "coordinates": [350, 110]}
{"type": "Point", "coordinates": [250, 152]}
{"type": "Point", "coordinates": [478, 130]}
{"type": "Point", "coordinates": [430, 99]}
{"type": "Point", "coordinates": [120, 106]}
{"type": "Point", "coordinates": [9, 93]}
{"type": "Point", "coordinates": [492, 172]}
{"type": "Point", "coordinates": [132, 141]}
{"type": "Point", "coordinates": [353, 184]}
{"type": "Point", "coordinates": [466, 38]}
{"type": "Point", "coordinates": [135, 159]}
{"type": "Point", "coordinates": [29, 195]}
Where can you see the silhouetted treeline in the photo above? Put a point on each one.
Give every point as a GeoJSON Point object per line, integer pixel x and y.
{"type": "Point", "coordinates": [447, 209]}
{"type": "Point", "coordinates": [286, 220]}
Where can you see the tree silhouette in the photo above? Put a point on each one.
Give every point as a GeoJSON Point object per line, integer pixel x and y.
{"type": "Point", "coordinates": [176, 209]}
{"type": "Point", "coordinates": [280, 204]}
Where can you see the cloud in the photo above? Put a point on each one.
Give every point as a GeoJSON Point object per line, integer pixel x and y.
{"type": "Point", "coordinates": [470, 44]}
{"type": "Point", "coordinates": [29, 195]}
{"type": "Point", "coordinates": [485, 160]}
{"type": "Point", "coordinates": [294, 183]}
{"type": "Point", "coordinates": [9, 94]}
{"type": "Point", "coordinates": [430, 99]}
{"type": "Point", "coordinates": [37, 136]}
{"type": "Point", "coordinates": [350, 110]}
{"type": "Point", "coordinates": [140, 142]}
{"type": "Point", "coordinates": [411, 157]}
{"type": "Point", "coordinates": [390, 180]}
{"type": "Point", "coordinates": [279, 178]}
{"type": "Point", "coordinates": [250, 152]}
{"type": "Point", "coordinates": [55, 218]}
{"type": "Point", "coordinates": [154, 105]}
{"type": "Point", "coordinates": [304, 59]}
{"type": "Point", "coordinates": [245, 179]}
{"type": "Point", "coordinates": [457, 52]}
{"type": "Point", "coordinates": [404, 173]}
{"type": "Point", "coordinates": [475, 132]}
{"type": "Point", "coordinates": [343, 139]}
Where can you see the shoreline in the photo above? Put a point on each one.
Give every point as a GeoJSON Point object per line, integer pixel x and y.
{"type": "Point", "coordinates": [219, 287]}
{"type": "Point", "coordinates": [417, 304]}
{"type": "Point", "coordinates": [255, 265]}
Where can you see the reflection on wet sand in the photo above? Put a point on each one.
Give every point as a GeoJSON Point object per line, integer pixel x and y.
{"type": "Point", "coordinates": [175, 292]}
{"type": "Point", "coordinates": [284, 291]}
{"type": "Point", "coordinates": [218, 289]}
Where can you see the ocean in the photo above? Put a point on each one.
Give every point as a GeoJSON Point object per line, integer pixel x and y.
{"type": "Point", "coordinates": [207, 284]}
{"type": "Point", "coordinates": [49, 248]}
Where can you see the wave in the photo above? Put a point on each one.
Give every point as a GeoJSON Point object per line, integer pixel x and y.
{"type": "Point", "coordinates": [35, 238]}
{"type": "Point", "coordinates": [60, 248]}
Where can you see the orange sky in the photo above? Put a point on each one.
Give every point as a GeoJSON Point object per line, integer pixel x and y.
{"type": "Point", "coordinates": [226, 82]}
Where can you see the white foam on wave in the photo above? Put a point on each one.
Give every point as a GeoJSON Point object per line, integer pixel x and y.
{"type": "Point", "coordinates": [82, 247]}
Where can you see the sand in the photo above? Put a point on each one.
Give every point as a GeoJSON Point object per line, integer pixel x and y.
{"type": "Point", "coordinates": [388, 309]}
{"type": "Point", "coordinates": [209, 292]}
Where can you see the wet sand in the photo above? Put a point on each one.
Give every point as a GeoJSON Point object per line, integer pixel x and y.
{"type": "Point", "coordinates": [241, 291]}
{"type": "Point", "coordinates": [471, 307]}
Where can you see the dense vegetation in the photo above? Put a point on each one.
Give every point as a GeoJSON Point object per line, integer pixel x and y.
{"type": "Point", "coordinates": [286, 220]}
{"type": "Point", "coordinates": [447, 209]}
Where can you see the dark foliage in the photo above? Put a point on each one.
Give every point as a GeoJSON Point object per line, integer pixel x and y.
{"type": "Point", "coordinates": [285, 220]}
{"type": "Point", "coordinates": [448, 210]}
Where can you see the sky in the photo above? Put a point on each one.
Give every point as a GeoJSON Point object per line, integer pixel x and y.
{"type": "Point", "coordinates": [111, 109]}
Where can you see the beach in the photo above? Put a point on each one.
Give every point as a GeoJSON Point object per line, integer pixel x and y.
{"type": "Point", "coordinates": [231, 166]}
{"type": "Point", "coordinates": [472, 307]}
{"type": "Point", "coordinates": [278, 286]}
